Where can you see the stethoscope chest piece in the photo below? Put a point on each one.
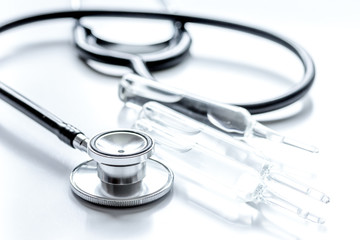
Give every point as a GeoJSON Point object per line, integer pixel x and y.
{"type": "Point", "coordinates": [121, 173]}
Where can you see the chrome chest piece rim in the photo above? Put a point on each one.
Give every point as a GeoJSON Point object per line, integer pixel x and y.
{"type": "Point", "coordinates": [121, 173]}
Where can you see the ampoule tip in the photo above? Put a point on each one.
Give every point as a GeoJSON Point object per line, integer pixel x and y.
{"type": "Point", "coordinates": [298, 186]}
{"type": "Point", "coordinates": [262, 131]}
{"type": "Point", "coordinates": [325, 199]}
{"type": "Point", "coordinates": [303, 146]}
{"type": "Point", "coordinates": [310, 217]}
{"type": "Point", "coordinates": [320, 196]}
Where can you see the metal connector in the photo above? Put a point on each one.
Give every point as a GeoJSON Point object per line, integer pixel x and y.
{"type": "Point", "coordinates": [80, 142]}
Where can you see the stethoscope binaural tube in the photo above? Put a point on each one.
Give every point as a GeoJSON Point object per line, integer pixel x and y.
{"type": "Point", "coordinates": [99, 50]}
{"type": "Point", "coordinates": [293, 95]}
{"type": "Point", "coordinates": [142, 59]}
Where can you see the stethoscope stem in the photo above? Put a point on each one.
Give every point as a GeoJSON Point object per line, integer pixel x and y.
{"type": "Point", "coordinates": [64, 131]}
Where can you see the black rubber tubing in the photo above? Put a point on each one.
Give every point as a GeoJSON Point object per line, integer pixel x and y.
{"type": "Point", "coordinates": [67, 133]}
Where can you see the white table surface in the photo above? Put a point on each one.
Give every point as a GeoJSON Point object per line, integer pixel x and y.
{"type": "Point", "coordinates": [40, 62]}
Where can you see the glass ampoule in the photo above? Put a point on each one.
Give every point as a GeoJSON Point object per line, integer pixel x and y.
{"type": "Point", "coordinates": [244, 176]}
{"type": "Point", "coordinates": [234, 121]}
{"type": "Point", "coordinates": [217, 141]}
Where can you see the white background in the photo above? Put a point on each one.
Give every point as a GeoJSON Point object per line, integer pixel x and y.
{"type": "Point", "coordinates": [39, 61]}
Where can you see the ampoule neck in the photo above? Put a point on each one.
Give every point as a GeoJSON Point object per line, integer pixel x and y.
{"type": "Point", "coordinates": [266, 195]}
{"type": "Point", "coordinates": [261, 131]}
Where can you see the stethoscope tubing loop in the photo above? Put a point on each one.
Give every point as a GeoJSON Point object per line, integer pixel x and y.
{"type": "Point", "coordinates": [291, 96]}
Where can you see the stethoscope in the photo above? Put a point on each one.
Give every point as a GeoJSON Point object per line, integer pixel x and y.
{"type": "Point", "coordinates": [122, 172]}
